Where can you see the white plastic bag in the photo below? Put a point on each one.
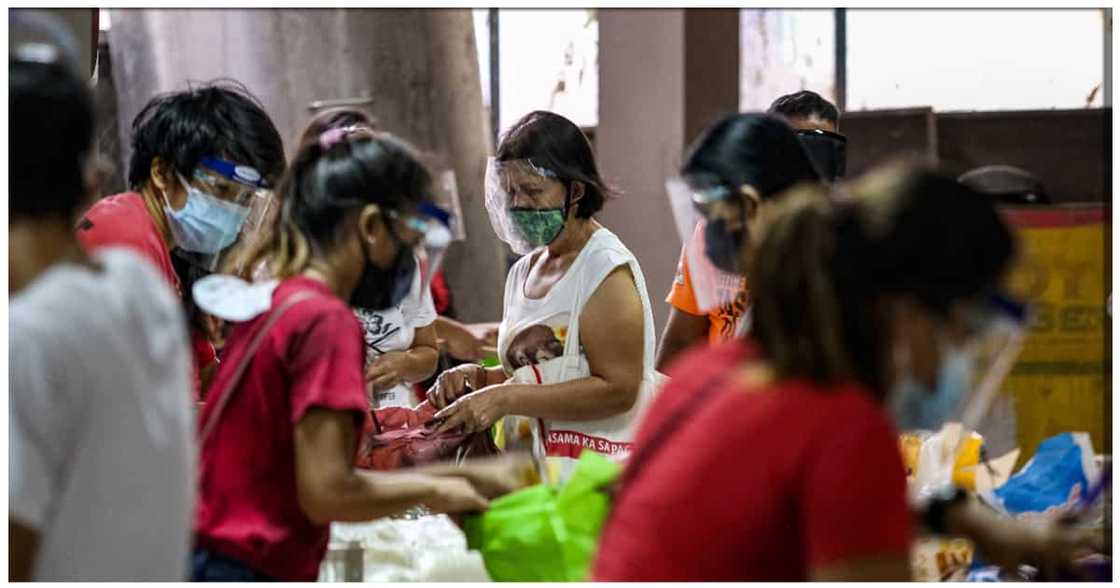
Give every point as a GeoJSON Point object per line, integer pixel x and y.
{"type": "Point", "coordinates": [426, 549]}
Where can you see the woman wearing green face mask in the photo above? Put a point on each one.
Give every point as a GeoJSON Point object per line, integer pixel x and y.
{"type": "Point", "coordinates": [576, 340]}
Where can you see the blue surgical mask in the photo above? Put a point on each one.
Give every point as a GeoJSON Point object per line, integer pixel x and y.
{"type": "Point", "coordinates": [915, 407]}
{"type": "Point", "coordinates": [206, 224]}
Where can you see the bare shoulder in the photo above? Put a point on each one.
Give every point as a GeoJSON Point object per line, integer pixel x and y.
{"type": "Point", "coordinates": [615, 303]}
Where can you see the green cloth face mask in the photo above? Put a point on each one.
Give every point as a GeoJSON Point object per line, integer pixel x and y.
{"type": "Point", "coordinates": [538, 226]}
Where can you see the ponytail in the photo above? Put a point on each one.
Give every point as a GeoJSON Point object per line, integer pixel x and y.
{"type": "Point", "coordinates": [344, 169]}
{"type": "Point", "coordinates": [288, 253]}
{"type": "Point", "coordinates": [798, 312]}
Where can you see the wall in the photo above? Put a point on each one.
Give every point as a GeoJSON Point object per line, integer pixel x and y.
{"type": "Point", "coordinates": [641, 134]}
{"type": "Point", "coordinates": [1069, 150]}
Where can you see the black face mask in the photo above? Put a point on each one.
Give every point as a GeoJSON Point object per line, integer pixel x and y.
{"type": "Point", "coordinates": [723, 245]}
{"type": "Point", "coordinates": [381, 289]}
{"type": "Point", "coordinates": [827, 151]}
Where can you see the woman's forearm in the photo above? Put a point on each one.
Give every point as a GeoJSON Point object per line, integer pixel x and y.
{"type": "Point", "coordinates": [364, 496]}
{"type": "Point", "coordinates": [416, 364]}
{"type": "Point", "coordinates": [585, 399]}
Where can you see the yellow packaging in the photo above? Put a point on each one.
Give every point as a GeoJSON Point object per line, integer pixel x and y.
{"type": "Point", "coordinates": [911, 446]}
{"type": "Point", "coordinates": [936, 559]}
{"type": "Point", "coordinates": [964, 472]}
{"type": "Point", "coordinates": [1062, 379]}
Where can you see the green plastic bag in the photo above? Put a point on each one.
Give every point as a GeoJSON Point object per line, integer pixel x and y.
{"type": "Point", "coordinates": [541, 534]}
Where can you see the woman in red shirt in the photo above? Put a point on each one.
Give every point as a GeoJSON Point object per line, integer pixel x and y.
{"type": "Point", "coordinates": [778, 459]}
{"type": "Point", "coordinates": [279, 432]}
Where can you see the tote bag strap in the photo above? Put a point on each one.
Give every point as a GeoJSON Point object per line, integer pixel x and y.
{"type": "Point", "coordinates": [645, 452]}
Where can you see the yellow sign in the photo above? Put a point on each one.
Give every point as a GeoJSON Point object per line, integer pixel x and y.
{"type": "Point", "coordinates": [1063, 378]}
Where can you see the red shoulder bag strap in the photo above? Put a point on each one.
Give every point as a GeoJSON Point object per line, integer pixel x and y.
{"type": "Point", "coordinates": [235, 381]}
{"type": "Point", "coordinates": [642, 454]}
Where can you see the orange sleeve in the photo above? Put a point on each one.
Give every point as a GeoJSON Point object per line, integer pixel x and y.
{"type": "Point", "coordinates": [681, 296]}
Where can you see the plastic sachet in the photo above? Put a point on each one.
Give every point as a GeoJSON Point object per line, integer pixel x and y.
{"type": "Point", "coordinates": [930, 461]}
{"type": "Point", "coordinates": [1055, 480]}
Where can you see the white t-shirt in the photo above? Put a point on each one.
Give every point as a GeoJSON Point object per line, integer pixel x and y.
{"type": "Point", "coordinates": [534, 330]}
{"type": "Point", "coordinates": [394, 330]}
{"type": "Point", "coordinates": [539, 342]}
{"type": "Point", "coordinates": [101, 441]}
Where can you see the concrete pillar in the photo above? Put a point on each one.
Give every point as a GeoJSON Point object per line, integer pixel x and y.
{"type": "Point", "coordinates": [663, 76]}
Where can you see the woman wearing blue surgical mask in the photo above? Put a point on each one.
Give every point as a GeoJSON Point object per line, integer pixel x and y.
{"type": "Point", "coordinates": [867, 315]}
{"type": "Point", "coordinates": [202, 160]}
{"type": "Point", "coordinates": [280, 432]}
{"type": "Point", "coordinates": [576, 340]}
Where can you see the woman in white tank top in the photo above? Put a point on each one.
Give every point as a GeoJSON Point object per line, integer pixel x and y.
{"type": "Point", "coordinates": [576, 340]}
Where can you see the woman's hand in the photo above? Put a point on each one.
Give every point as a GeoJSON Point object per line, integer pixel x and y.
{"type": "Point", "coordinates": [456, 382]}
{"type": "Point", "coordinates": [1052, 547]}
{"type": "Point", "coordinates": [387, 371]}
{"type": "Point", "coordinates": [497, 476]}
{"type": "Point", "coordinates": [476, 411]}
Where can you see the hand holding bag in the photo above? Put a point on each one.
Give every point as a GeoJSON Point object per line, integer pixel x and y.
{"type": "Point", "coordinates": [403, 437]}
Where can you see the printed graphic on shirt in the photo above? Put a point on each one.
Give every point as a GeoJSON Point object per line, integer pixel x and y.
{"type": "Point", "coordinates": [383, 332]}
{"type": "Point", "coordinates": [733, 303]}
{"type": "Point", "coordinates": [380, 331]}
{"type": "Point", "coordinates": [538, 343]}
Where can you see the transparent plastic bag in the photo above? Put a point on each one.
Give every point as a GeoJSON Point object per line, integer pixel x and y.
{"type": "Point", "coordinates": [425, 548]}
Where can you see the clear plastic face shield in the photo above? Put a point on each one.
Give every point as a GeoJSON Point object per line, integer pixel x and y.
{"type": "Point", "coordinates": [525, 208]}
{"type": "Point", "coordinates": [427, 231]}
{"type": "Point", "coordinates": [235, 205]}
{"type": "Point", "coordinates": [445, 192]}
{"type": "Point", "coordinates": [997, 327]}
{"type": "Point", "coordinates": [712, 223]}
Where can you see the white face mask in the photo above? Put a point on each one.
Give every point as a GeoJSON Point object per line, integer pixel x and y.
{"type": "Point", "coordinates": [232, 299]}
{"type": "Point", "coordinates": [915, 407]}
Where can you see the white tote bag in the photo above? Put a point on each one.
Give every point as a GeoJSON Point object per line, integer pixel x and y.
{"type": "Point", "coordinates": [561, 442]}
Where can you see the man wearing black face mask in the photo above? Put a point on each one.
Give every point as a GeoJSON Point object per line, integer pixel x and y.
{"type": "Point", "coordinates": [816, 121]}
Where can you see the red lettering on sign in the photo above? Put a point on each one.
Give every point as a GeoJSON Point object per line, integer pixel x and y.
{"type": "Point", "coordinates": [571, 444]}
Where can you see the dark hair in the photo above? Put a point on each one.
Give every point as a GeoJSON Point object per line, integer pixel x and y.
{"type": "Point", "coordinates": [220, 119]}
{"type": "Point", "coordinates": [556, 143]}
{"type": "Point", "coordinates": [335, 118]}
{"type": "Point", "coordinates": [823, 266]}
{"type": "Point", "coordinates": [762, 151]}
{"type": "Point", "coordinates": [322, 186]}
{"type": "Point", "coordinates": [1006, 184]}
{"type": "Point", "coordinates": [805, 104]}
{"type": "Point", "coordinates": [50, 109]}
